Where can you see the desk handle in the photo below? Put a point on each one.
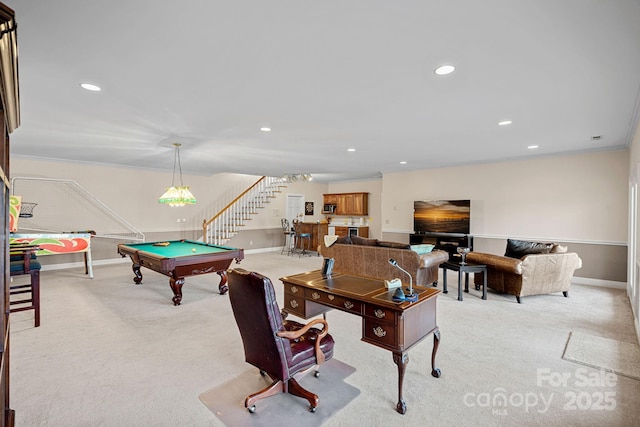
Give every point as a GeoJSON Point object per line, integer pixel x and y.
{"type": "Point", "coordinates": [315, 295]}
{"type": "Point", "coordinates": [379, 332]}
{"type": "Point", "coordinates": [348, 305]}
{"type": "Point", "coordinates": [379, 313]}
{"type": "Point", "coordinates": [294, 290]}
{"type": "Point", "coordinates": [294, 303]}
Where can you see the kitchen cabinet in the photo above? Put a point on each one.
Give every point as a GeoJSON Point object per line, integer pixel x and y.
{"type": "Point", "coordinates": [344, 231]}
{"type": "Point", "coordinates": [353, 204]}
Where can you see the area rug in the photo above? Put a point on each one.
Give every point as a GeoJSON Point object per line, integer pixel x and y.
{"type": "Point", "coordinates": [622, 358]}
{"type": "Point", "coordinates": [226, 401]}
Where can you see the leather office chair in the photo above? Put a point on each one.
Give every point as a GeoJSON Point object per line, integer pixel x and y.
{"type": "Point", "coordinates": [301, 238]}
{"type": "Point", "coordinates": [23, 261]}
{"type": "Point", "coordinates": [288, 236]}
{"type": "Point", "coordinates": [278, 348]}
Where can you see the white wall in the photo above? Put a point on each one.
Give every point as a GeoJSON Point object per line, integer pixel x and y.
{"type": "Point", "coordinates": [580, 197]}
{"type": "Point", "coordinates": [133, 193]}
{"type": "Point", "coordinates": [633, 288]}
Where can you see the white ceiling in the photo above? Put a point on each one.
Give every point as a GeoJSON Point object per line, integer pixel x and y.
{"type": "Point", "coordinates": [325, 76]}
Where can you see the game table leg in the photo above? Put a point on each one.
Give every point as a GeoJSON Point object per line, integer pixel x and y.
{"type": "Point", "coordinates": [176, 287]}
{"type": "Point", "coordinates": [136, 270]}
{"type": "Point", "coordinates": [223, 287]}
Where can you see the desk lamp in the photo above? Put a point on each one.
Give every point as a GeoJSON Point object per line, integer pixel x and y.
{"type": "Point", "coordinates": [399, 295]}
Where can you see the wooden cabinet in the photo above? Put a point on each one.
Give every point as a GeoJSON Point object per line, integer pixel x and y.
{"type": "Point", "coordinates": [317, 231]}
{"type": "Point", "coordinates": [343, 231]}
{"type": "Point", "coordinates": [355, 204]}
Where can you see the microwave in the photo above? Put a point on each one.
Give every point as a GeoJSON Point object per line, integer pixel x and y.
{"type": "Point", "coordinates": [328, 209]}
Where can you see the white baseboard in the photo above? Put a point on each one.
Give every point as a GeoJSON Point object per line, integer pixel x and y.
{"type": "Point", "coordinates": [599, 282]}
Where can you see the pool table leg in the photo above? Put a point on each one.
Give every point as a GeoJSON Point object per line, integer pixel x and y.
{"type": "Point", "coordinates": [223, 287]}
{"type": "Point", "coordinates": [176, 287]}
{"type": "Point", "coordinates": [138, 275]}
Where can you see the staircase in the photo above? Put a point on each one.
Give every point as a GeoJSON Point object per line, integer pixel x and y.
{"type": "Point", "coordinates": [228, 222]}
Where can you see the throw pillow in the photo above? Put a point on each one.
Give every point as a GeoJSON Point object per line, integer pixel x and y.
{"type": "Point", "coordinates": [394, 245]}
{"type": "Point", "coordinates": [345, 240]}
{"type": "Point", "coordinates": [520, 248]}
{"type": "Point", "coordinates": [357, 240]}
{"type": "Point", "coordinates": [559, 249]}
{"type": "Point", "coordinates": [422, 249]}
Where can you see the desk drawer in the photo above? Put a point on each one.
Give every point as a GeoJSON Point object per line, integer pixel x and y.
{"type": "Point", "coordinates": [342, 303]}
{"type": "Point", "coordinates": [298, 306]}
{"type": "Point", "coordinates": [294, 305]}
{"type": "Point", "coordinates": [380, 314]}
{"type": "Point", "coordinates": [379, 333]}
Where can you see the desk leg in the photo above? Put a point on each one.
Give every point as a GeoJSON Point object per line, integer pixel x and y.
{"type": "Point", "coordinates": [223, 287]}
{"type": "Point", "coordinates": [401, 359]}
{"type": "Point", "coordinates": [435, 372]}
{"type": "Point", "coordinates": [444, 281]}
{"type": "Point", "coordinates": [136, 270]}
{"type": "Point", "coordinates": [176, 287]}
{"type": "Point", "coordinates": [459, 285]}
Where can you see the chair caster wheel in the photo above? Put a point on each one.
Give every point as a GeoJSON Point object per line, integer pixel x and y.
{"type": "Point", "coordinates": [312, 409]}
{"type": "Point", "coordinates": [316, 374]}
{"type": "Point", "coordinates": [263, 373]}
{"type": "Point", "coordinates": [436, 373]}
{"type": "Point", "coordinates": [252, 409]}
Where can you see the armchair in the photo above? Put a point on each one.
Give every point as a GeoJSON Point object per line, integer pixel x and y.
{"type": "Point", "coordinates": [278, 348]}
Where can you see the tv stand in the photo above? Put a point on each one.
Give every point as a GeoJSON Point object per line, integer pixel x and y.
{"type": "Point", "coordinates": [449, 242]}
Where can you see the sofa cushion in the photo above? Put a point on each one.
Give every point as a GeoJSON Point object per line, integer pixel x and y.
{"type": "Point", "coordinates": [559, 249]}
{"type": "Point", "coordinates": [520, 248]}
{"type": "Point", "coordinates": [424, 248]}
{"type": "Point", "coordinates": [357, 240]}
{"type": "Point", "coordinates": [394, 245]}
{"type": "Point", "coordinates": [345, 240]}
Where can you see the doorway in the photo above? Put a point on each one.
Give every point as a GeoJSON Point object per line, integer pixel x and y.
{"type": "Point", "coordinates": [295, 207]}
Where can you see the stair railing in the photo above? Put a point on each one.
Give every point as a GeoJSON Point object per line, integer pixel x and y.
{"type": "Point", "coordinates": [227, 223]}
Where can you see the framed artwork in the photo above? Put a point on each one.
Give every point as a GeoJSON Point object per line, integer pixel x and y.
{"type": "Point", "coordinates": [308, 208]}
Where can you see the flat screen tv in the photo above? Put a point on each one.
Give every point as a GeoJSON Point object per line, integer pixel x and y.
{"type": "Point", "coordinates": [441, 216]}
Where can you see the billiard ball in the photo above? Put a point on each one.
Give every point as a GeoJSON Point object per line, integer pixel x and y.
{"type": "Point", "coordinates": [193, 250]}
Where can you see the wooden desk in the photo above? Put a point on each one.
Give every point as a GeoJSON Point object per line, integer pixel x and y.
{"type": "Point", "coordinates": [394, 326]}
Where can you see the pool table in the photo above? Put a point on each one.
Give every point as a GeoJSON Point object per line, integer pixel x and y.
{"type": "Point", "coordinates": [180, 258]}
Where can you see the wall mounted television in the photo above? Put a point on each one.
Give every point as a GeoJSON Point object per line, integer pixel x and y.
{"type": "Point", "coordinates": [441, 216]}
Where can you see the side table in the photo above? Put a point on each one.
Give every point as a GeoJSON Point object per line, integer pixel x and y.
{"type": "Point", "coordinates": [455, 265]}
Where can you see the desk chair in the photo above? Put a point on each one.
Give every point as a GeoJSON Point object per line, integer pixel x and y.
{"type": "Point", "coordinates": [278, 348]}
{"type": "Point", "coordinates": [24, 262]}
{"type": "Point", "coordinates": [301, 238]}
{"type": "Point", "coordinates": [288, 236]}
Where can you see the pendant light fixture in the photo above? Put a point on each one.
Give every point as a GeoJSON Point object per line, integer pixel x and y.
{"type": "Point", "coordinates": [180, 195]}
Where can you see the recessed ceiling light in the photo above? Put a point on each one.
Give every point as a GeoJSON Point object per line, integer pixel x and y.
{"type": "Point", "coordinates": [532, 147]}
{"type": "Point", "coordinates": [351, 149]}
{"type": "Point", "coordinates": [265, 129]}
{"type": "Point", "coordinates": [89, 86]}
{"type": "Point", "coordinates": [444, 70]}
{"type": "Point", "coordinates": [403, 163]}
{"type": "Point", "coordinates": [504, 123]}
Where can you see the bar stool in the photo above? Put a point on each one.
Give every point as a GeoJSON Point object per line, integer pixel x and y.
{"type": "Point", "coordinates": [288, 236]}
{"type": "Point", "coordinates": [300, 238]}
{"type": "Point", "coordinates": [24, 262]}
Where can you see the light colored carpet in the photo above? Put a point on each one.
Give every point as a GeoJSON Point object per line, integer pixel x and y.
{"type": "Point", "coordinates": [226, 401]}
{"type": "Point", "coordinates": [622, 358]}
{"type": "Point", "coordinates": [112, 353]}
